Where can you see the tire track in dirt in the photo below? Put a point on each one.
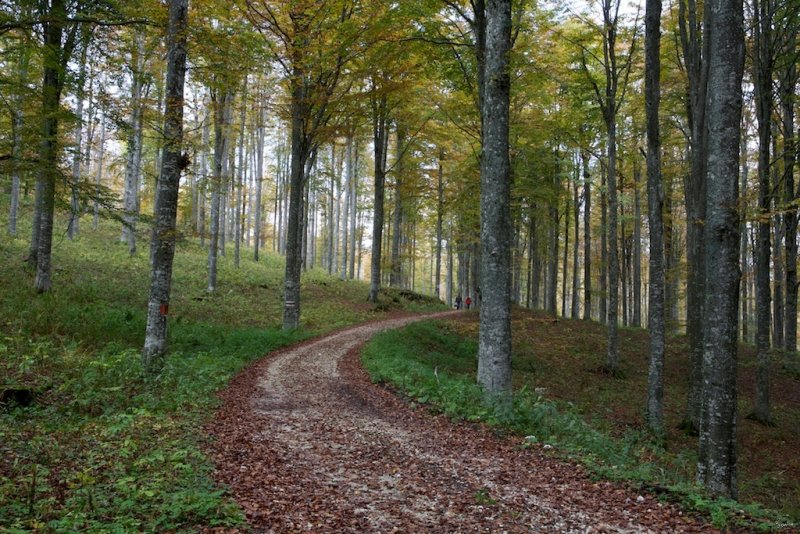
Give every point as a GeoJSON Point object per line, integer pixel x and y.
{"type": "Point", "coordinates": [307, 444]}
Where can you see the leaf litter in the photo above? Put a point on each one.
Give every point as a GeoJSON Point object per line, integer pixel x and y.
{"type": "Point", "coordinates": [306, 443]}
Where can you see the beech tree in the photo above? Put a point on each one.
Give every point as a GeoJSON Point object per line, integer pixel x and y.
{"type": "Point", "coordinates": [764, 57]}
{"type": "Point", "coordinates": [135, 128]}
{"type": "Point", "coordinates": [316, 42]}
{"type": "Point", "coordinates": [694, 50]}
{"type": "Point", "coordinates": [610, 94]}
{"type": "Point", "coordinates": [166, 208]}
{"type": "Point", "coordinates": [655, 201]}
{"type": "Point", "coordinates": [494, 349]}
{"type": "Point", "coordinates": [380, 138]}
{"type": "Point", "coordinates": [17, 97]}
{"type": "Point", "coordinates": [716, 466]}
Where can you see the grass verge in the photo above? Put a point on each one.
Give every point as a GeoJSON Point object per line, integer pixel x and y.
{"type": "Point", "coordinates": [86, 442]}
{"type": "Point", "coordinates": [434, 364]}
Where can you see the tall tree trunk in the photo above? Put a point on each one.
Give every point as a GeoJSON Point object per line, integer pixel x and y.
{"type": "Point", "coordinates": [203, 186]}
{"type": "Point", "coordinates": [565, 263]}
{"type": "Point", "coordinates": [672, 254]}
{"type": "Point", "coordinates": [240, 181]}
{"type": "Point", "coordinates": [763, 11]}
{"type": "Point", "coordinates": [603, 305]}
{"type": "Point", "coordinates": [656, 323]}
{"type": "Point", "coordinates": [624, 272]}
{"type": "Point", "coordinates": [98, 177]}
{"type": "Point", "coordinates": [331, 210]}
{"type": "Point", "coordinates": [612, 355]}
{"type": "Point", "coordinates": [55, 56]}
{"type": "Point", "coordinates": [166, 208]}
{"type": "Point", "coordinates": [395, 279]}
{"type": "Point", "coordinates": [439, 215]}
{"type": "Point", "coordinates": [259, 184]}
{"type": "Point", "coordinates": [17, 122]}
{"type": "Point", "coordinates": [536, 264]}
{"type": "Point", "coordinates": [717, 458]}
{"type": "Point", "coordinates": [695, 52]}
{"type": "Point", "coordinates": [788, 83]}
{"type": "Point", "coordinates": [743, 304]}
{"type": "Point", "coordinates": [379, 134]}
{"type": "Point", "coordinates": [221, 100]}
{"type": "Point", "coordinates": [300, 150]}
{"type": "Point", "coordinates": [277, 212]}
{"type": "Point", "coordinates": [449, 280]}
{"type": "Point", "coordinates": [778, 275]}
{"type": "Point", "coordinates": [587, 237]}
{"type": "Point", "coordinates": [36, 223]}
{"type": "Point", "coordinates": [73, 228]}
{"type": "Point", "coordinates": [575, 311]}
{"type": "Point", "coordinates": [349, 172]}
{"type": "Point", "coordinates": [133, 168]}
{"type": "Point", "coordinates": [637, 252]}
{"type": "Point", "coordinates": [552, 271]}
{"type": "Point", "coordinates": [354, 210]}
{"type": "Point", "coordinates": [494, 348]}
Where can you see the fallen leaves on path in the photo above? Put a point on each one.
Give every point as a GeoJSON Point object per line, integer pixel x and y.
{"type": "Point", "coordinates": [307, 444]}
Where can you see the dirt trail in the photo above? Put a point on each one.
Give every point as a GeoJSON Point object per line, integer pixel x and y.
{"type": "Point", "coordinates": [306, 443]}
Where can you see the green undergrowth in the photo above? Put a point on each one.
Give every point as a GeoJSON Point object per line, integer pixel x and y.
{"type": "Point", "coordinates": [91, 444]}
{"type": "Point", "coordinates": [434, 364]}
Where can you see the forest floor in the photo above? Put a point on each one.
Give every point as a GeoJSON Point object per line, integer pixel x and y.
{"type": "Point", "coordinates": [306, 442]}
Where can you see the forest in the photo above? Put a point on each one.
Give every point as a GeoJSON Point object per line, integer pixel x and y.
{"type": "Point", "coordinates": [190, 185]}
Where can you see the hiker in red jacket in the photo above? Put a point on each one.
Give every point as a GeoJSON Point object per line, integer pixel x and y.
{"type": "Point", "coordinates": [468, 301]}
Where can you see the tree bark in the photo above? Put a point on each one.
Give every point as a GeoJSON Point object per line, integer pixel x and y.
{"type": "Point", "coordinates": [552, 270]}
{"type": "Point", "coordinates": [656, 320]}
{"type": "Point", "coordinates": [349, 172]}
{"type": "Point", "coordinates": [73, 228]}
{"type": "Point", "coordinates": [439, 215]}
{"type": "Point", "coordinates": [603, 305]}
{"type": "Point", "coordinates": [379, 135]}
{"type": "Point", "coordinates": [587, 237]}
{"type": "Point", "coordinates": [17, 123]}
{"type": "Point", "coordinates": [788, 83]}
{"type": "Point", "coordinates": [695, 52]}
{"type": "Point", "coordinates": [166, 208]}
{"type": "Point", "coordinates": [564, 263]}
{"type": "Point", "coordinates": [133, 168]}
{"type": "Point", "coordinates": [239, 208]}
{"type": "Point", "coordinates": [717, 458]}
{"type": "Point", "coordinates": [52, 85]}
{"type": "Point", "coordinates": [396, 273]}
{"type": "Point", "coordinates": [221, 100]}
{"type": "Point", "coordinates": [494, 348]}
{"type": "Point", "coordinates": [98, 177]}
{"type": "Point", "coordinates": [763, 11]}
{"type": "Point", "coordinates": [354, 211]}
{"type": "Point", "coordinates": [575, 311]}
{"type": "Point", "coordinates": [609, 102]}
{"type": "Point", "coordinates": [612, 355]}
{"type": "Point", "coordinates": [299, 155]}
{"type": "Point", "coordinates": [259, 184]}
{"type": "Point", "coordinates": [637, 252]}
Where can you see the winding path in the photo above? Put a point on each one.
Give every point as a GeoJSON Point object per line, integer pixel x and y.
{"type": "Point", "coordinates": [307, 444]}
